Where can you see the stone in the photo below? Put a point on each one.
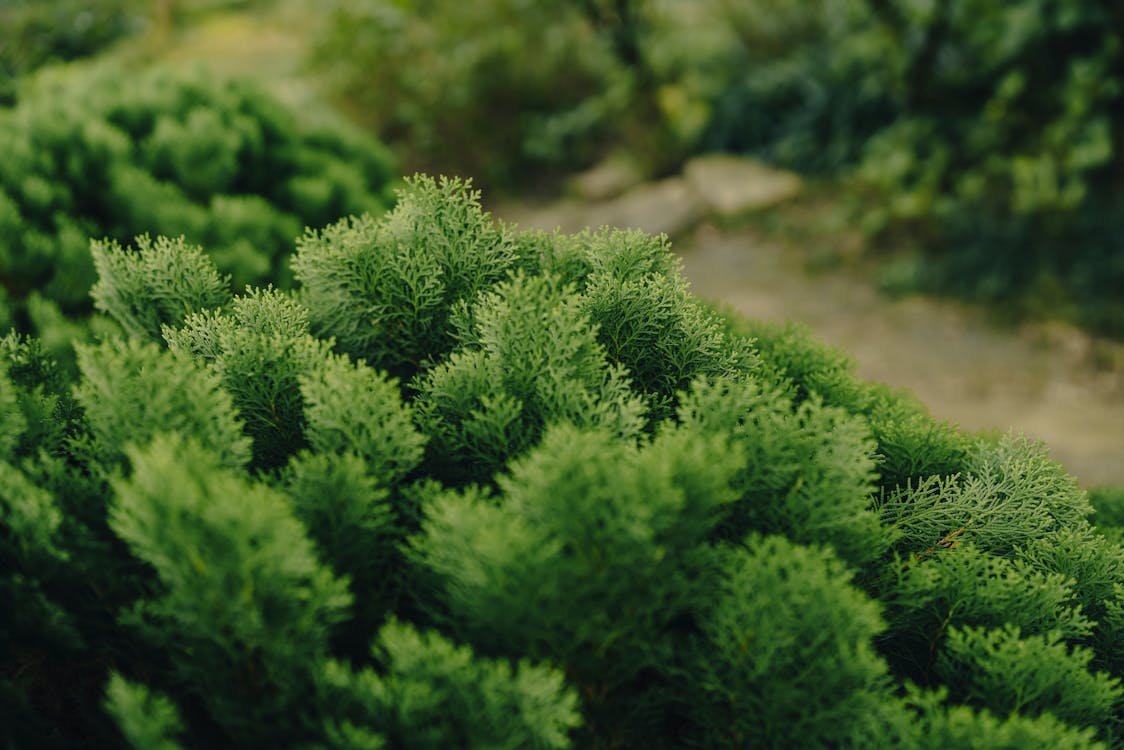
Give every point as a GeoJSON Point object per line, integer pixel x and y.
{"type": "Point", "coordinates": [606, 180]}
{"type": "Point", "coordinates": [665, 207]}
{"type": "Point", "coordinates": [732, 185]}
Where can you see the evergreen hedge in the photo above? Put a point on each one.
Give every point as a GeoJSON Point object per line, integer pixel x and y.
{"type": "Point", "coordinates": [96, 152]}
{"type": "Point", "coordinates": [473, 487]}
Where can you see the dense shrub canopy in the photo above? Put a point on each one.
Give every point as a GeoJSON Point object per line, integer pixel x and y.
{"type": "Point", "coordinates": [95, 153]}
{"type": "Point", "coordinates": [474, 487]}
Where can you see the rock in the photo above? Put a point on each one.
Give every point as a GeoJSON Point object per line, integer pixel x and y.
{"type": "Point", "coordinates": [567, 215]}
{"type": "Point", "coordinates": [606, 180]}
{"type": "Point", "coordinates": [666, 207]}
{"type": "Point", "coordinates": [733, 185]}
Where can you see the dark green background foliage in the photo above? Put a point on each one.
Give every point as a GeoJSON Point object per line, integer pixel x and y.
{"type": "Point", "coordinates": [104, 154]}
{"type": "Point", "coordinates": [37, 32]}
{"type": "Point", "coordinates": [502, 90]}
{"type": "Point", "coordinates": [988, 131]}
{"type": "Point", "coordinates": [473, 487]}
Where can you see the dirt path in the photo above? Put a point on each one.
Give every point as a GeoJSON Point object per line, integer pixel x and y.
{"type": "Point", "coordinates": [1043, 381]}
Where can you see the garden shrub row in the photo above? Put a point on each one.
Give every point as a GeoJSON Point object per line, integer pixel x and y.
{"type": "Point", "coordinates": [468, 486]}
{"type": "Point", "coordinates": [98, 152]}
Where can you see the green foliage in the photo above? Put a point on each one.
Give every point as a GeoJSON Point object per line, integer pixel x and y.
{"type": "Point", "coordinates": [649, 323]}
{"type": "Point", "coordinates": [1011, 494]}
{"type": "Point", "coordinates": [806, 366]}
{"type": "Point", "coordinates": [787, 658]}
{"type": "Point", "coordinates": [241, 607]}
{"type": "Point", "coordinates": [528, 358]}
{"type": "Point", "coordinates": [132, 391]}
{"type": "Point", "coordinates": [809, 468]}
{"type": "Point", "coordinates": [259, 348]}
{"type": "Point", "coordinates": [962, 585]}
{"type": "Point", "coordinates": [147, 720]}
{"type": "Point", "coordinates": [384, 290]}
{"type": "Point", "coordinates": [1007, 673]}
{"type": "Point", "coordinates": [516, 88]}
{"type": "Point", "coordinates": [103, 153]}
{"type": "Point", "coordinates": [435, 694]}
{"type": "Point", "coordinates": [579, 510]}
{"type": "Point", "coordinates": [1108, 506]}
{"type": "Point", "coordinates": [958, 586]}
{"type": "Point", "coordinates": [354, 409]}
{"type": "Point", "coordinates": [590, 524]}
{"type": "Point", "coordinates": [1097, 565]}
{"type": "Point", "coordinates": [38, 32]}
{"type": "Point", "coordinates": [358, 530]}
{"type": "Point", "coordinates": [158, 284]}
{"type": "Point", "coordinates": [28, 515]}
{"type": "Point", "coordinates": [959, 726]}
{"type": "Point", "coordinates": [911, 444]}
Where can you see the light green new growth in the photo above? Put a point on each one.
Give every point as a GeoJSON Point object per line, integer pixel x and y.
{"type": "Point", "coordinates": [132, 391]}
{"type": "Point", "coordinates": [384, 289]}
{"type": "Point", "coordinates": [351, 408]}
{"type": "Point", "coordinates": [527, 358]}
{"type": "Point", "coordinates": [148, 720]}
{"type": "Point", "coordinates": [158, 284]}
{"type": "Point", "coordinates": [435, 695]}
{"type": "Point", "coordinates": [260, 347]}
{"type": "Point", "coordinates": [242, 607]}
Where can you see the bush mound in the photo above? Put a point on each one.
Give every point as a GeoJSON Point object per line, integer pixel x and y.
{"type": "Point", "coordinates": [102, 154]}
{"type": "Point", "coordinates": [473, 487]}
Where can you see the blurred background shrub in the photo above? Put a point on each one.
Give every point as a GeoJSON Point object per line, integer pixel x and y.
{"type": "Point", "coordinates": [499, 90]}
{"type": "Point", "coordinates": [36, 32]}
{"type": "Point", "coordinates": [983, 133]}
{"type": "Point", "coordinates": [96, 152]}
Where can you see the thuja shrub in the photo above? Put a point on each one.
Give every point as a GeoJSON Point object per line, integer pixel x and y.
{"type": "Point", "coordinates": [473, 487]}
{"type": "Point", "coordinates": [107, 154]}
